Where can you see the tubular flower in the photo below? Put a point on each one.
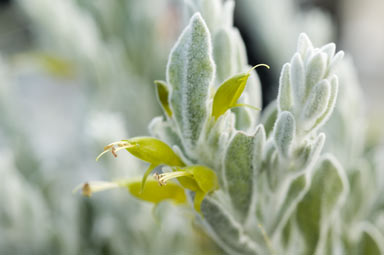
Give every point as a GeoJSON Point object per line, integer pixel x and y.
{"type": "Point", "coordinates": [148, 149]}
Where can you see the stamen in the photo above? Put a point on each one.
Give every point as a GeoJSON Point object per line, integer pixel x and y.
{"type": "Point", "coordinates": [157, 178]}
{"type": "Point", "coordinates": [87, 190]}
{"type": "Point", "coordinates": [111, 147]}
{"type": "Point", "coordinates": [256, 66]}
{"type": "Point", "coordinates": [113, 150]}
{"type": "Point", "coordinates": [163, 178]}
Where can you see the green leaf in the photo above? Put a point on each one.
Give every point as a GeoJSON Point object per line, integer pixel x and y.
{"type": "Point", "coordinates": [163, 95]}
{"type": "Point", "coordinates": [190, 74]}
{"type": "Point", "coordinates": [155, 193]}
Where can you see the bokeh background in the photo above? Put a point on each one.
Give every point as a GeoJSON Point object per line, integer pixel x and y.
{"type": "Point", "coordinates": [78, 74]}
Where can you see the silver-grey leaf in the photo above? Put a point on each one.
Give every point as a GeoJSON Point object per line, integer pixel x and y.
{"type": "Point", "coordinates": [190, 73]}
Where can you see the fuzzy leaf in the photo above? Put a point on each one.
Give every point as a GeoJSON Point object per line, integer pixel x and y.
{"type": "Point", "coordinates": [285, 91]}
{"type": "Point", "coordinates": [315, 71]}
{"type": "Point", "coordinates": [241, 52]}
{"type": "Point", "coordinates": [331, 103]}
{"type": "Point", "coordinates": [289, 200]}
{"type": "Point", "coordinates": [284, 133]}
{"type": "Point", "coordinates": [329, 49]}
{"type": "Point", "coordinates": [190, 74]}
{"type": "Point", "coordinates": [238, 172]}
{"type": "Point", "coordinates": [162, 129]}
{"type": "Point", "coordinates": [297, 78]}
{"type": "Point", "coordinates": [222, 228]}
{"type": "Point", "coordinates": [223, 54]}
{"type": "Point", "coordinates": [316, 104]}
{"type": "Point", "coordinates": [326, 191]}
{"type": "Point", "coordinates": [316, 148]}
{"type": "Point", "coordinates": [269, 116]}
{"type": "Point", "coordinates": [304, 45]}
{"type": "Point", "coordinates": [162, 96]}
{"type": "Point", "coordinates": [335, 61]}
{"type": "Point", "coordinates": [211, 11]}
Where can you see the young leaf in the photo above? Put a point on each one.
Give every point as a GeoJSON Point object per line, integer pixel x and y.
{"type": "Point", "coordinates": [163, 96]}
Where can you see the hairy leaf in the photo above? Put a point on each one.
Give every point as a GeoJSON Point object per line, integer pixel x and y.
{"type": "Point", "coordinates": [190, 74]}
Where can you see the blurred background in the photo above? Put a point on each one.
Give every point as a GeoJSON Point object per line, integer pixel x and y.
{"type": "Point", "coordinates": [78, 74]}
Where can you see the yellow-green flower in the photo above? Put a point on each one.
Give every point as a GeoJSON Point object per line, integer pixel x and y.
{"type": "Point", "coordinates": [229, 92]}
{"type": "Point", "coordinates": [149, 149]}
{"type": "Point", "coordinates": [199, 179]}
